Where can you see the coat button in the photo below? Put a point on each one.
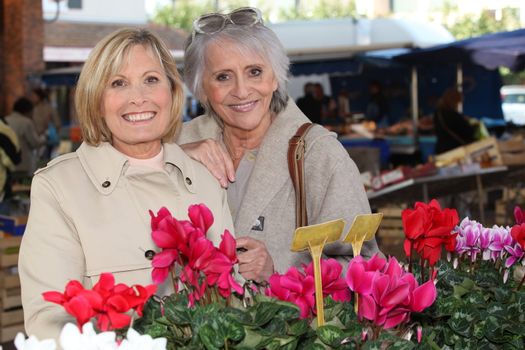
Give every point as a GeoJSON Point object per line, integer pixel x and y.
{"type": "Point", "coordinates": [106, 184]}
{"type": "Point", "coordinates": [149, 254]}
{"type": "Point", "coordinates": [188, 181]}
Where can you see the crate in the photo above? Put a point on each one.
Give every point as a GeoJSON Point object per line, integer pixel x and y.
{"type": "Point", "coordinates": [11, 313]}
{"type": "Point", "coordinates": [512, 151]}
{"type": "Point", "coordinates": [12, 225]}
{"type": "Point", "coordinates": [390, 236]}
{"type": "Point", "coordinates": [502, 216]}
{"type": "Point", "coordinates": [504, 207]}
{"type": "Point", "coordinates": [485, 152]}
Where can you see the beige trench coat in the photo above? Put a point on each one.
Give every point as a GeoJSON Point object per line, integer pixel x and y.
{"type": "Point", "coordinates": [89, 214]}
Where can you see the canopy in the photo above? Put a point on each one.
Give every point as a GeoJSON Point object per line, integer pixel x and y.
{"type": "Point", "coordinates": [61, 76]}
{"type": "Point", "coordinates": [332, 39]}
{"type": "Point", "coordinates": [503, 49]}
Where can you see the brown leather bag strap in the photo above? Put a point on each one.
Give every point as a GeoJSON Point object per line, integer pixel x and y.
{"type": "Point", "coordinates": [296, 151]}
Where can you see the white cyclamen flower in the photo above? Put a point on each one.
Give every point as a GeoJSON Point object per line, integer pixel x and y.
{"type": "Point", "coordinates": [135, 341]}
{"type": "Point", "coordinates": [32, 343]}
{"type": "Point", "coordinates": [72, 339]}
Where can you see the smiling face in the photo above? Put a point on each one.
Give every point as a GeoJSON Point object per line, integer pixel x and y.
{"type": "Point", "coordinates": [239, 86]}
{"type": "Point", "coordinates": [136, 104]}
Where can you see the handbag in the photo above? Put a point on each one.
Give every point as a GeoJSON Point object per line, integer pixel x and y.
{"type": "Point", "coordinates": [296, 152]}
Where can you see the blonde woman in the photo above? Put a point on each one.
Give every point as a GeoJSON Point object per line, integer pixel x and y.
{"type": "Point", "coordinates": [89, 209]}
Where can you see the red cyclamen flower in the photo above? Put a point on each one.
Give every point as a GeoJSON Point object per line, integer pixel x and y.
{"type": "Point", "coordinates": [77, 301]}
{"type": "Point", "coordinates": [518, 234]}
{"type": "Point", "coordinates": [428, 228]}
{"type": "Point", "coordinates": [108, 302]}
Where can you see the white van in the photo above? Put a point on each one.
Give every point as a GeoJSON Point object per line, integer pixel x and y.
{"type": "Point", "coordinates": [513, 103]}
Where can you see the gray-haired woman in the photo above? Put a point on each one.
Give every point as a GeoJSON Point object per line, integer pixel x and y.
{"type": "Point", "coordinates": [238, 69]}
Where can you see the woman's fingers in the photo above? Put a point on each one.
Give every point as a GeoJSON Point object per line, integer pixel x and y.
{"type": "Point", "coordinates": [255, 262]}
{"type": "Point", "coordinates": [214, 157]}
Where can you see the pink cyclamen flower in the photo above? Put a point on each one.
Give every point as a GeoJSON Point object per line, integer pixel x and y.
{"type": "Point", "coordinates": [162, 264]}
{"type": "Point", "coordinates": [387, 296]}
{"type": "Point", "coordinates": [468, 238]}
{"type": "Point", "coordinates": [170, 233]}
{"type": "Point", "coordinates": [519, 215]}
{"type": "Point", "coordinates": [515, 252]}
{"type": "Point", "coordinates": [228, 246]}
{"type": "Point", "coordinates": [184, 243]}
{"type": "Point", "coordinates": [201, 216]}
{"type": "Point", "coordinates": [485, 239]}
{"type": "Point", "coordinates": [332, 282]}
{"type": "Point", "coordinates": [294, 287]}
{"type": "Point", "coordinates": [500, 239]}
{"type": "Point", "coordinates": [359, 277]}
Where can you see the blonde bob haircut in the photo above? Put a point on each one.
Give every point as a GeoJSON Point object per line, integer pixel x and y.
{"type": "Point", "coordinates": [105, 61]}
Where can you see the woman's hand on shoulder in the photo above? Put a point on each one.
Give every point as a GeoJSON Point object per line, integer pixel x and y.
{"type": "Point", "coordinates": [255, 262]}
{"type": "Point", "coordinates": [214, 157]}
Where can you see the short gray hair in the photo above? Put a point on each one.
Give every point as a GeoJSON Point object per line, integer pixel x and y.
{"type": "Point", "coordinates": [257, 39]}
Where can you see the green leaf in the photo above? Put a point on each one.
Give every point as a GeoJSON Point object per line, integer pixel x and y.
{"type": "Point", "coordinates": [275, 344]}
{"type": "Point", "coordinates": [516, 327]}
{"type": "Point", "coordinates": [210, 338]}
{"type": "Point", "coordinates": [401, 344]}
{"type": "Point", "coordinates": [314, 346]}
{"type": "Point", "coordinates": [276, 327]}
{"type": "Point", "coordinates": [330, 335]}
{"type": "Point", "coordinates": [176, 312]}
{"type": "Point", "coordinates": [287, 311]}
{"type": "Point", "coordinates": [265, 312]}
{"type": "Point", "coordinates": [476, 298]}
{"type": "Point", "coordinates": [463, 288]}
{"type": "Point", "coordinates": [463, 320]}
{"type": "Point", "coordinates": [373, 345]}
{"type": "Point", "coordinates": [479, 329]}
{"type": "Point", "coordinates": [241, 316]}
{"type": "Point", "coordinates": [497, 310]}
{"type": "Point", "coordinates": [502, 295]}
{"type": "Point", "coordinates": [496, 331]}
{"type": "Point", "coordinates": [232, 329]}
{"type": "Point", "coordinates": [298, 328]}
{"type": "Point", "coordinates": [290, 345]}
{"type": "Point", "coordinates": [156, 330]}
{"type": "Point", "coordinates": [447, 306]}
{"type": "Point", "coordinates": [347, 314]}
{"type": "Point", "coordinates": [252, 340]}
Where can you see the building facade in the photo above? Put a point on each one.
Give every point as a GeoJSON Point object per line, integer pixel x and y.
{"type": "Point", "coordinates": [21, 44]}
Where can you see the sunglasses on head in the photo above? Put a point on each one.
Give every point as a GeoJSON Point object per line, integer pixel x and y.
{"type": "Point", "coordinates": [215, 22]}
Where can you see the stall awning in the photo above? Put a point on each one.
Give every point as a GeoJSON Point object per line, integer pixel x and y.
{"type": "Point", "coordinates": [346, 66]}
{"type": "Point", "coordinates": [503, 49]}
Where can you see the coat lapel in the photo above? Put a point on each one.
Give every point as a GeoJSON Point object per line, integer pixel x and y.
{"type": "Point", "coordinates": [270, 172]}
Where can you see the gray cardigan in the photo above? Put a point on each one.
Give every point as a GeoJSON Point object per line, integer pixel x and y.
{"type": "Point", "coordinates": [333, 186]}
